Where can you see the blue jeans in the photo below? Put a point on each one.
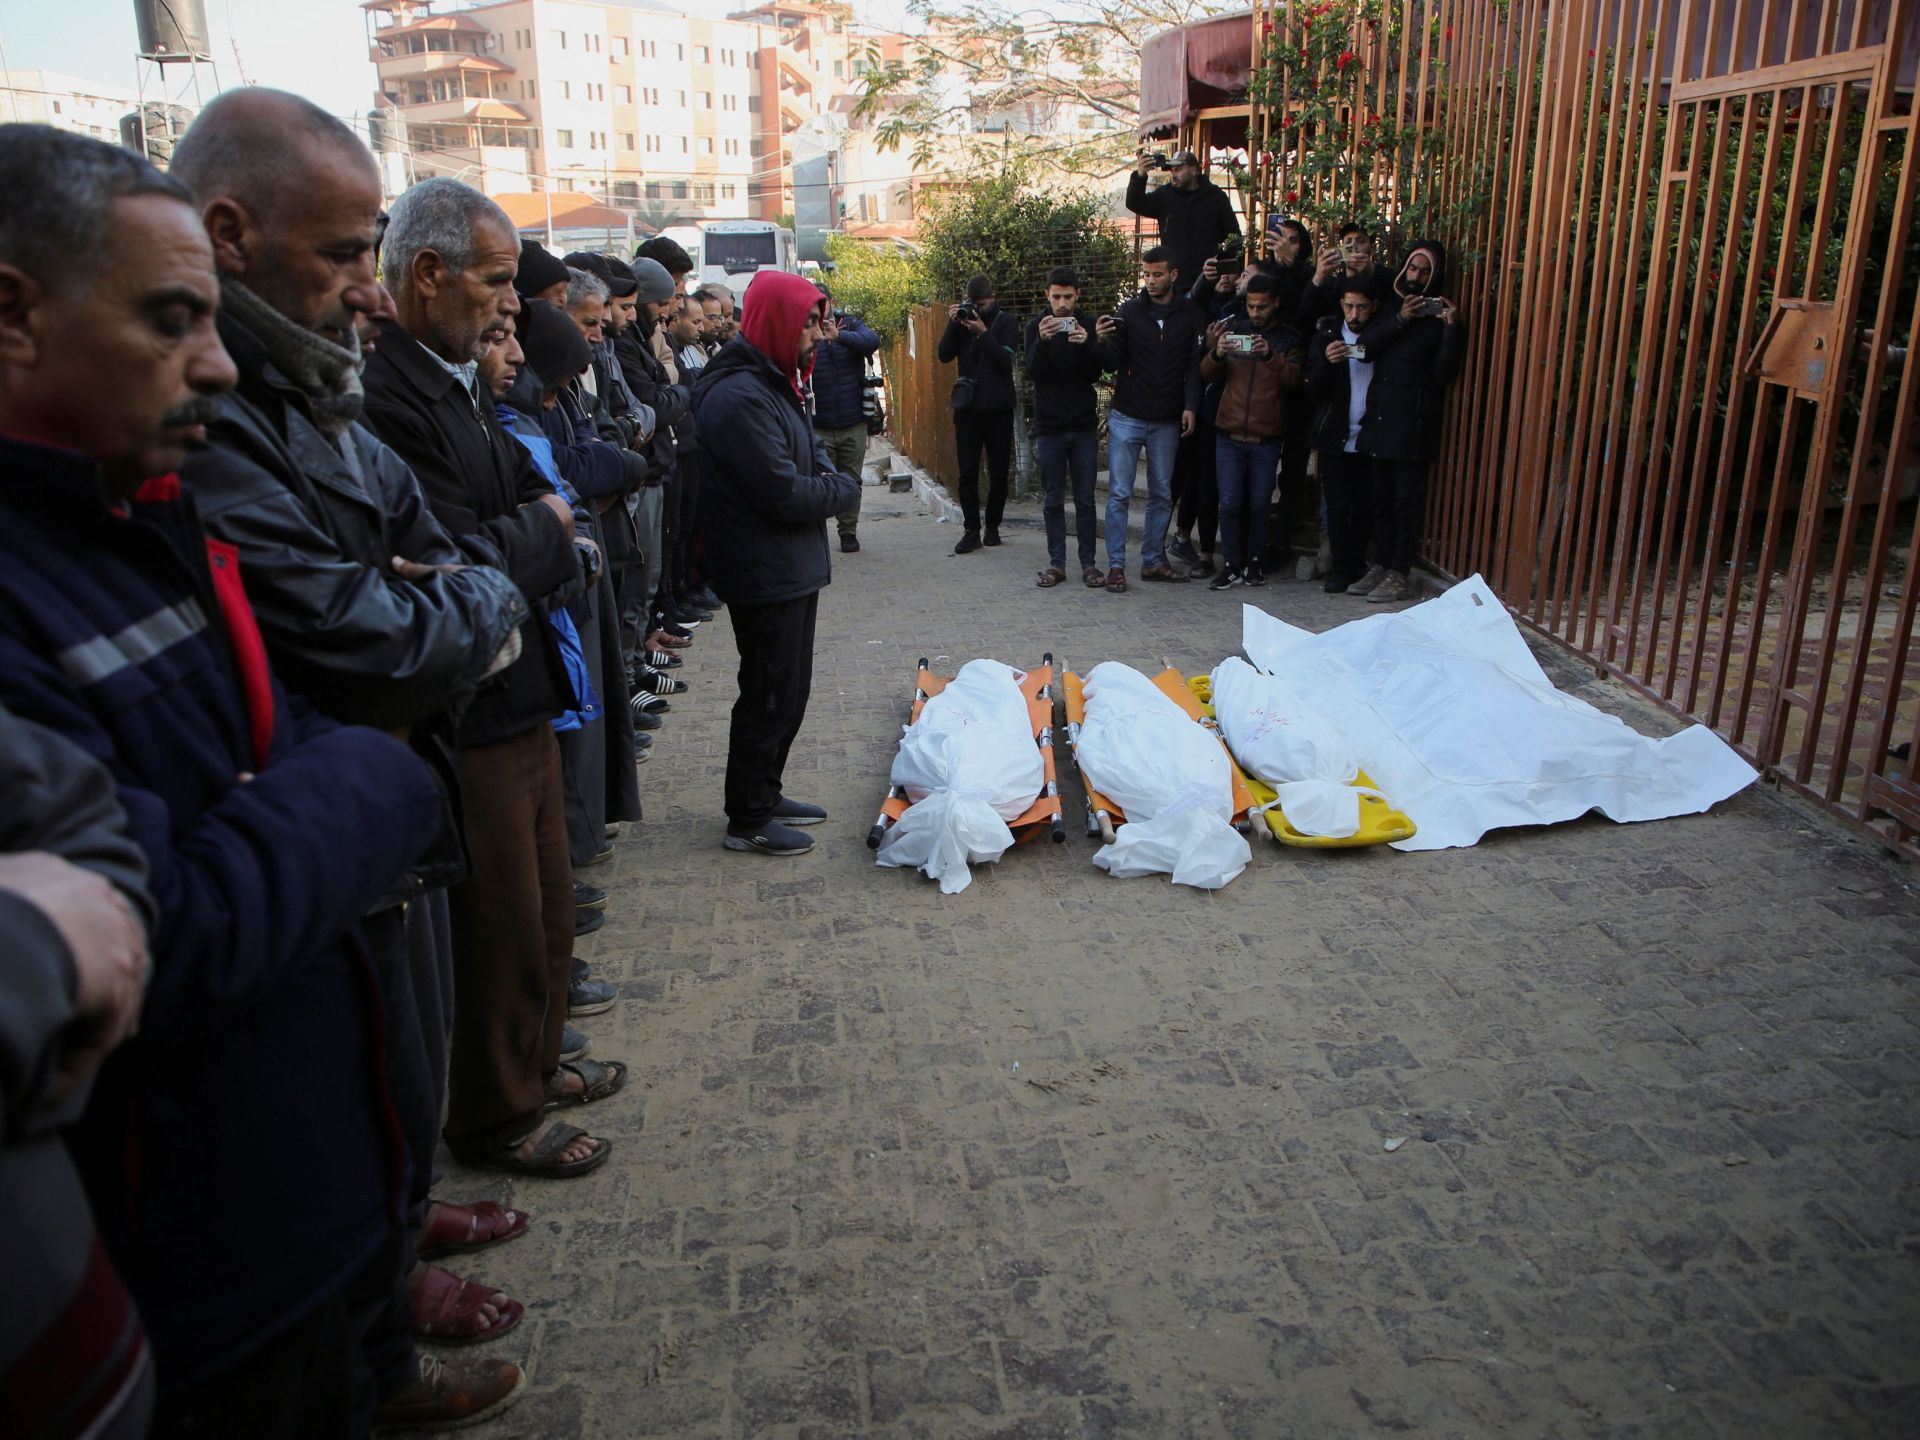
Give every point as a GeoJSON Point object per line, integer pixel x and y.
{"type": "Point", "coordinates": [1074, 455]}
{"type": "Point", "coordinates": [1126, 437]}
{"type": "Point", "coordinates": [1245, 472]}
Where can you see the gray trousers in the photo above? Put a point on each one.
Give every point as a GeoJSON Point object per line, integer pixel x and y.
{"type": "Point", "coordinates": [847, 448]}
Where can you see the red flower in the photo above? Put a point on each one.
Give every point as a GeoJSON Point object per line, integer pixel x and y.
{"type": "Point", "coordinates": [1449, 32]}
{"type": "Point", "coordinates": [1266, 27]}
{"type": "Point", "coordinates": [1346, 58]}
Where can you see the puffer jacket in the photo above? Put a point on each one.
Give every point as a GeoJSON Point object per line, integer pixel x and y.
{"type": "Point", "coordinates": [771, 488]}
{"type": "Point", "coordinates": [839, 367]}
{"type": "Point", "coordinates": [1415, 361]}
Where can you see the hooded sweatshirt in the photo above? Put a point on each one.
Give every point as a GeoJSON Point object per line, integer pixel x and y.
{"type": "Point", "coordinates": [1414, 360]}
{"type": "Point", "coordinates": [771, 487]}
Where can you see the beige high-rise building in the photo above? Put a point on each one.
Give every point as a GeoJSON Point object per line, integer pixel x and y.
{"type": "Point", "coordinates": [675, 117]}
{"type": "Point", "coordinates": [66, 102]}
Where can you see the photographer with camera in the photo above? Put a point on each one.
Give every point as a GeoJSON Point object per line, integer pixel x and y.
{"type": "Point", "coordinates": [1064, 363]}
{"type": "Point", "coordinates": [1339, 386]}
{"type": "Point", "coordinates": [839, 402]}
{"type": "Point", "coordinates": [981, 337]}
{"type": "Point", "coordinates": [1195, 216]}
{"type": "Point", "coordinates": [1349, 261]}
{"type": "Point", "coordinates": [1259, 362]}
{"type": "Point", "coordinates": [1154, 344]}
{"type": "Point", "coordinates": [1416, 345]}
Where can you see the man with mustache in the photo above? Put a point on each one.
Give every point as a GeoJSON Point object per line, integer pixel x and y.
{"type": "Point", "coordinates": [241, 1153]}
{"type": "Point", "coordinates": [367, 608]}
{"type": "Point", "coordinates": [448, 258]}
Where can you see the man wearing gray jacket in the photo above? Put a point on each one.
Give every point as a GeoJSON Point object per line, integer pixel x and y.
{"type": "Point", "coordinates": [73, 931]}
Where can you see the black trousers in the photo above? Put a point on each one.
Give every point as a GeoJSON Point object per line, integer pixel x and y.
{"type": "Point", "coordinates": [1346, 482]}
{"type": "Point", "coordinates": [307, 1383]}
{"type": "Point", "coordinates": [1196, 488]}
{"type": "Point", "coordinates": [1399, 512]}
{"type": "Point", "coordinates": [776, 677]}
{"type": "Point", "coordinates": [1296, 444]}
{"type": "Point", "coordinates": [991, 432]}
{"type": "Point", "coordinates": [680, 558]}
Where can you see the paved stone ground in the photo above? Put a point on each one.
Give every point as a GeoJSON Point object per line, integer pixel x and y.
{"type": "Point", "coordinates": [1070, 1156]}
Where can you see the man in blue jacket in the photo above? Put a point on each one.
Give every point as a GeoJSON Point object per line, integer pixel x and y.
{"type": "Point", "coordinates": [768, 494]}
{"type": "Point", "coordinates": [839, 402]}
{"type": "Point", "coordinates": [241, 1153]}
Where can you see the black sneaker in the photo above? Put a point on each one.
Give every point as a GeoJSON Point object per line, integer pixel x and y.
{"type": "Point", "coordinates": [969, 543]}
{"type": "Point", "coordinates": [992, 536]}
{"type": "Point", "coordinates": [849, 543]}
{"type": "Point", "coordinates": [1254, 576]}
{"type": "Point", "coordinates": [1182, 550]}
{"type": "Point", "coordinates": [772, 838]}
{"type": "Point", "coordinates": [705, 598]}
{"type": "Point", "coordinates": [588, 897]}
{"type": "Point", "coordinates": [798, 812]}
{"type": "Point", "coordinates": [585, 922]}
{"type": "Point", "coordinates": [573, 1044]}
{"type": "Point", "coordinates": [643, 720]}
{"type": "Point", "coordinates": [1225, 580]}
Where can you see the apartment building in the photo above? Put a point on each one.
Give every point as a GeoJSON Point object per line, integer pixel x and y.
{"type": "Point", "coordinates": [672, 116]}
{"type": "Point", "coordinates": [66, 102]}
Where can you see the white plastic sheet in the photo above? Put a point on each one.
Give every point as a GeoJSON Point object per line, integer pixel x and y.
{"type": "Point", "coordinates": [969, 764]}
{"type": "Point", "coordinates": [1170, 776]}
{"type": "Point", "coordinates": [1463, 731]}
{"type": "Point", "coordinates": [1276, 734]}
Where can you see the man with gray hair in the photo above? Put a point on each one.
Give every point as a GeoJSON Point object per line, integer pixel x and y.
{"type": "Point", "coordinates": [368, 608]}
{"type": "Point", "coordinates": [448, 259]}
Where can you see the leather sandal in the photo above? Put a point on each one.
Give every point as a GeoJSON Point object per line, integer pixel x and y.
{"type": "Point", "coordinates": [451, 1228]}
{"type": "Point", "coordinates": [1050, 577]}
{"type": "Point", "coordinates": [1117, 580]}
{"type": "Point", "coordinates": [499, 1151]}
{"type": "Point", "coordinates": [1093, 577]}
{"type": "Point", "coordinates": [1164, 572]}
{"type": "Point", "coordinates": [598, 1081]}
{"type": "Point", "coordinates": [446, 1309]}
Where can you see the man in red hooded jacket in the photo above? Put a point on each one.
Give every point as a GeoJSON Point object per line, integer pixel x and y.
{"type": "Point", "coordinates": [768, 494]}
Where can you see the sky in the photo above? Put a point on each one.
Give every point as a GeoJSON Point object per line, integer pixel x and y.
{"type": "Point", "coordinates": [317, 48]}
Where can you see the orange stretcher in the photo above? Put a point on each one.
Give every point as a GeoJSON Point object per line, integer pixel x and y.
{"type": "Point", "coordinates": [1043, 817]}
{"type": "Point", "coordinates": [1103, 815]}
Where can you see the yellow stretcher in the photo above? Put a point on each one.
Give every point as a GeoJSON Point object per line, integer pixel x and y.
{"type": "Point", "coordinates": [1102, 813]}
{"type": "Point", "coordinates": [1040, 818]}
{"type": "Point", "coordinates": [1380, 823]}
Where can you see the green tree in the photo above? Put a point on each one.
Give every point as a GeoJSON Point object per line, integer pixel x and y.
{"type": "Point", "coordinates": [1000, 229]}
{"type": "Point", "coordinates": [876, 281]}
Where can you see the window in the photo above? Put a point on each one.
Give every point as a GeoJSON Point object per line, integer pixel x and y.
{"type": "Point", "coordinates": [753, 104]}
{"type": "Point", "coordinates": [679, 190]}
{"type": "Point", "coordinates": [706, 144]}
{"type": "Point", "coordinates": [653, 144]}
{"type": "Point", "coordinates": [654, 187]}
{"type": "Point", "coordinates": [622, 47]}
{"type": "Point", "coordinates": [564, 139]}
{"type": "Point", "coordinates": [533, 89]}
{"type": "Point", "coordinates": [839, 68]}
{"type": "Point", "coordinates": [626, 140]}
{"type": "Point", "coordinates": [679, 52]}
{"type": "Point", "coordinates": [702, 55]}
{"type": "Point", "coordinates": [650, 94]}
{"type": "Point", "coordinates": [680, 98]}
{"type": "Point", "coordinates": [623, 94]}
{"type": "Point", "coordinates": [648, 49]}
{"type": "Point", "coordinates": [593, 141]}
{"type": "Point", "coordinates": [726, 192]}
{"type": "Point", "coordinates": [683, 144]}
{"type": "Point", "coordinates": [559, 37]}
{"type": "Point", "coordinates": [704, 100]}
{"type": "Point", "coordinates": [56, 107]}
{"type": "Point", "coordinates": [729, 102]}
{"type": "Point", "coordinates": [733, 147]}
{"type": "Point", "coordinates": [566, 89]}
{"type": "Point", "coordinates": [703, 192]}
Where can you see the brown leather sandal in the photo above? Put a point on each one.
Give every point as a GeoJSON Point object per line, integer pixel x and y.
{"type": "Point", "coordinates": [452, 1228]}
{"type": "Point", "coordinates": [1050, 577]}
{"type": "Point", "coordinates": [1117, 580]}
{"type": "Point", "coordinates": [1093, 577]}
{"type": "Point", "coordinates": [446, 1309]}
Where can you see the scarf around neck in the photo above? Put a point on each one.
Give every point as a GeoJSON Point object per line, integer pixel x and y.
{"type": "Point", "coordinates": [326, 373]}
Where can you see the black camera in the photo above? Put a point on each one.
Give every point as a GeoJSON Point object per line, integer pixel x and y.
{"type": "Point", "coordinates": [966, 312]}
{"type": "Point", "coordinates": [1159, 162]}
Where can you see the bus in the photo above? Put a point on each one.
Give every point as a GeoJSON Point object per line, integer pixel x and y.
{"type": "Point", "coordinates": [732, 252]}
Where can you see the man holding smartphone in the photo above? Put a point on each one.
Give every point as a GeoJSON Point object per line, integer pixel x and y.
{"type": "Point", "coordinates": [1416, 347]}
{"type": "Point", "coordinates": [1351, 259]}
{"type": "Point", "coordinates": [1064, 364]}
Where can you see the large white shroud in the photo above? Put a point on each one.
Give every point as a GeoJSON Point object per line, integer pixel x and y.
{"type": "Point", "coordinates": [969, 764]}
{"type": "Point", "coordinates": [1457, 724]}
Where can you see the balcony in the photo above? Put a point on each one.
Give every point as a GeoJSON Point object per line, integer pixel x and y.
{"type": "Point", "coordinates": [435, 62]}
{"type": "Point", "coordinates": [463, 110]}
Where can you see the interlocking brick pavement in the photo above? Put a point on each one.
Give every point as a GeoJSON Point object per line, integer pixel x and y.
{"type": "Point", "coordinates": [1070, 1156]}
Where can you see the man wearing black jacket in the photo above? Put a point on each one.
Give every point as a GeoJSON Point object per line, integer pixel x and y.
{"type": "Point", "coordinates": [770, 491]}
{"type": "Point", "coordinates": [981, 337]}
{"type": "Point", "coordinates": [647, 377]}
{"type": "Point", "coordinates": [1340, 376]}
{"type": "Point", "coordinates": [1194, 214]}
{"type": "Point", "coordinates": [1154, 344]}
{"type": "Point", "coordinates": [1064, 363]}
{"type": "Point", "coordinates": [1417, 345]}
{"type": "Point", "coordinates": [449, 258]}
{"type": "Point", "coordinates": [1349, 262]}
{"type": "Point", "coordinates": [319, 509]}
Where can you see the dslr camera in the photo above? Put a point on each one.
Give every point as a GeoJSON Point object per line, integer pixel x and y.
{"type": "Point", "coordinates": [966, 311]}
{"type": "Point", "coordinates": [1158, 161]}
